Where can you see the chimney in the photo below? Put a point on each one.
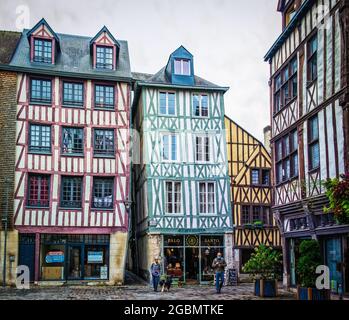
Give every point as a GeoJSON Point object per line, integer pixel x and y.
{"type": "Point", "coordinates": [267, 137]}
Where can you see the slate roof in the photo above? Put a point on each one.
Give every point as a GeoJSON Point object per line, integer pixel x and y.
{"type": "Point", "coordinates": [160, 78]}
{"type": "Point", "coordinates": [74, 57]}
{"type": "Point", "coordinates": [8, 44]}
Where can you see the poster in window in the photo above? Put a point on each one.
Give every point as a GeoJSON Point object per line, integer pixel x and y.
{"type": "Point", "coordinates": [95, 257]}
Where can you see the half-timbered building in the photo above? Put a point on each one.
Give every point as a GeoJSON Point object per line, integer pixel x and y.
{"type": "Point", "coordinates": [309, 118]}
{"type": "Point", "coordinates": [72, 160]}
{"type": "Point", "coordinates": [249, 166]}
{"type": "Point", "coordinates": [183, 212]}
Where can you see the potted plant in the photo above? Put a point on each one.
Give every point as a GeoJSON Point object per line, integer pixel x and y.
{"type": "Point", "coordinates": [264, 266]}
{"type": "Point", "coordinates": [309, 260]}
{"type": "Point", "coordinates": [337, 191]}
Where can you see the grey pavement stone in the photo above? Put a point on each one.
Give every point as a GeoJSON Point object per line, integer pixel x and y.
{"type": "Point", "coordinates": [243, 291]}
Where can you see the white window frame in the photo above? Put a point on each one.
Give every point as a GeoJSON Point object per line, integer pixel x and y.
{"type": "Point", "coordinates": [200, 95]}
{"type": "Point", "coordinates": [171, 137]}
{"type": "Point", "coordinates": [167, 104]}
{"type": "Point", "coordinates": [203, 138]}
{"type": "Point", "coordinates": [173, 203]}
{"type": "Point", "coordinates": [181, 66]}
{"type": "Point", "coordinates": [206, 203]}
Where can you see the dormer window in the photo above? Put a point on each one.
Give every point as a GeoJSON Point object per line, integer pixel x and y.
{"type": "Point", "coordinates": [42, 50]}
{"type": "Point", "coordinates": [105, 50]}
{"type": "Point", "coordinates": [43, 43]}
{"type": "Point", "coordinates": [104, 57]}
{"type": "Point", "coordinates": [182, 67]}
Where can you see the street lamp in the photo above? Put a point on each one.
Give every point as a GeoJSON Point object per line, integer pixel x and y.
{"type": "Point", "coordinates": [127, 204]}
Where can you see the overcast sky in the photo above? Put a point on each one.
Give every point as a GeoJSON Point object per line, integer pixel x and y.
{"type": "Point", "coordinates": [228, 39]}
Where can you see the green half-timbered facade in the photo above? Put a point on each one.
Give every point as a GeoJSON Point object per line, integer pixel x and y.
{"type": "Point", "coordinates": [183, 209]}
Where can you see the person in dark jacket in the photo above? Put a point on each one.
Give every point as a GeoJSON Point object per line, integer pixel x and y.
{"type": "Point", "coordinates": [219, 265]}
{"type": "Point", "coordinates": [155, 270]}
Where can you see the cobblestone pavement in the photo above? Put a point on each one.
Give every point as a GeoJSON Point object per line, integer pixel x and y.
{"type": "Point", "coordinates": [243, 291]}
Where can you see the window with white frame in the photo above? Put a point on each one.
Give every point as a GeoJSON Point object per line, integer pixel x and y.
{"type": "Point", "coordinates": [182, 67]}
{"type": "Point", "coordinates": [167, 103]}
{"type": "Point", "coordinates": [169, 147]}
{"type": "Point", "coordinates": [200, 105]}
{"type": "Point", "coordinates": [207, 197]}
{"type": "Point", "coordinates": [202, 148]}
{"type": "Point", "coordinates": [173, 197]}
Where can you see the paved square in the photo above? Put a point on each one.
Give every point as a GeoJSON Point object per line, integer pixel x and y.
{"type": "Point", "coordinates": [243, 291]}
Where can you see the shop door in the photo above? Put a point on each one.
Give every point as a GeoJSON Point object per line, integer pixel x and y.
{"type": "Point", "coordinates": [27, 253]}
{"type": "Point", "coordinates": [192, 272]}
{"type": "Point", "coordinates": [333, 257]}
{"type": "Point", "coordinates": [74, 261]}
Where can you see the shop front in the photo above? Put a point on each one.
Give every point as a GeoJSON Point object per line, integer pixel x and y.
{"type": "Point", "coordinates": [189, 258]}
{"type": "Point", "coordinates": [63, 257]}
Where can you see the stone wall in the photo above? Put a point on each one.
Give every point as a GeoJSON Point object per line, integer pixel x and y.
{"type": "Point", "coordinates": [8, 85]}
{"type": "Point", "coordinates": [118, 248]}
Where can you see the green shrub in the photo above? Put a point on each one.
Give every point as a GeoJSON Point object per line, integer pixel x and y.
{"type": "Point", "coordinates": [309, 260]}
{"type": "Point", "coordinates": [264, 263]}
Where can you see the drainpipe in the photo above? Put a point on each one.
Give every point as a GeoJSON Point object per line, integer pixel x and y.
{"type": "Point", "coordinates": [5, 221]}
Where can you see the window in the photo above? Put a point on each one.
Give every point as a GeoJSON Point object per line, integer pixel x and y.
{"type": "Point", "coordinates": [173, 197]}
{"type": "Point", "coordinates": [38, 190]}
{"type": "Point", "coordinates": [71, 192]}
{"type": "Point", "coordinates": [286, 85]}
{"type": "Point", "coordinates": [290, 13]}
{"type": "Point", "coordinates": [167, 103]}
{"type": "Point", "coordinates": [73, 94]}
{"type": "Point", "coordinates": [40, 90]}
{"type": "Point", "coordinates": [245, 215]}
{"type": "Point", "coordinates": [202, 153]}
{"type": "Point", "coordinates": [255, 176]}
{"type": "Point", "coordinates": [104, 58]}
{"type": "Point", "coordinates": [313, 143]}
{"type": "Point", "coordinates": [207, 197]}
{"type": "Point", "coordinates": [103, 193]}
{"type": "Point", "coordinates": [312, 59]}
{"type": "Point", "coordinates": [182, 67]}
{"type": "Point", "coordinates": [104, 97]}
{"type": "Point", "coordinates": [72, 140]}
{"type": "Point", "coordinates": [256, 214]}
{"type": "Point", "coordinates": [104, 142]}
{"type": "Point", "coordinates": [200, 105]}
{"type": "Point", "coordinates": [42, 50]}
{"type": "Point", "coordinates": [286, 157]}
{"type": "Point", "coordinates": [265, 177]}
{"type": "Point", "coordinates": [253, 214]}
{"type": "Point", "coordinates": [39, 138]}
{"type": "Point", "coordinates": [169, 147]}
{"type": "Point", "coordinates": [260, 177]}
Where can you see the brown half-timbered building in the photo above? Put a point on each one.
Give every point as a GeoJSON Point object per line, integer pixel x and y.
{"type": "Point", "coordinates": [309, 118]}
{"type": "Point", "coordinates": [249, 170]}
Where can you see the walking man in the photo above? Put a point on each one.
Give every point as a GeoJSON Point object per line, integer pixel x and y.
{"type": "Point", "coordinates": [155, 270]}
{"type": "Point", "coordinates": [219, 265]}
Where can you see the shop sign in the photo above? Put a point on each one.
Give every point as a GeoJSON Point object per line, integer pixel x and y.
{"type": "Point", "coordinates": [95, 257]}
{"type": "Point", "coordinates": [173, 241]}
{"type": "Point", "coordinates": [212, 241]}
{"type": "Point", "coordinates": [104, 272]}
{"type": "Point", "coordinates": [54, 257]}
{"type": "Point", "coordinates": [192, 241]}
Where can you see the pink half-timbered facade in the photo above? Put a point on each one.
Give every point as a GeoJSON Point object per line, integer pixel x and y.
{"type": "Point", "coordinates": [72, 155]}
